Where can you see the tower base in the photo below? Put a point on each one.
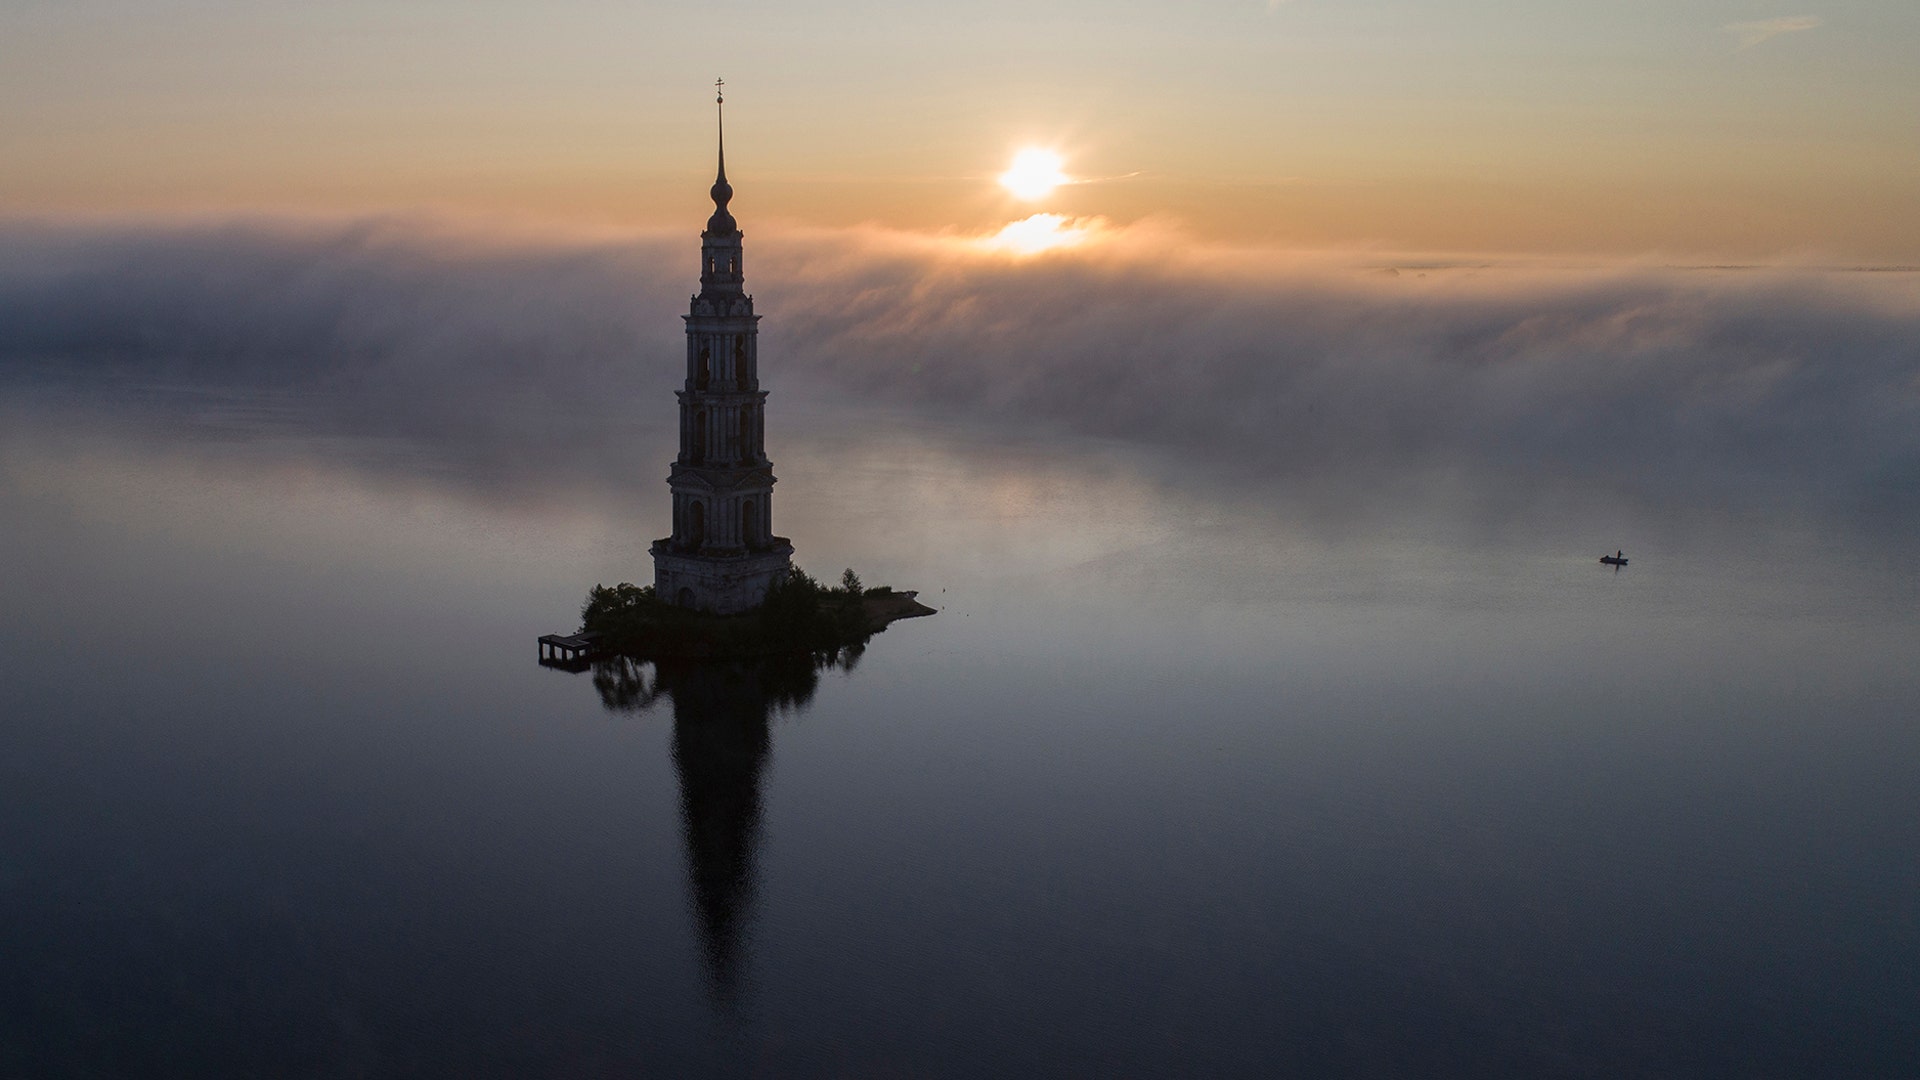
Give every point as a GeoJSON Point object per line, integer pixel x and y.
{"type": "Point", "coordinates": [719, 584]}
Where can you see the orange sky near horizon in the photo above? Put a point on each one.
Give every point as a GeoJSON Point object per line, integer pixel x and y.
{"type": "Point", "coordinates": [1703, 128]}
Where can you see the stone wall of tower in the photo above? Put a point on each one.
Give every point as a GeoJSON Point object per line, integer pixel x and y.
{"type": "Point", "coordinates": [722, 480]}
{"type": "Point", "coordinates": [722, 409]}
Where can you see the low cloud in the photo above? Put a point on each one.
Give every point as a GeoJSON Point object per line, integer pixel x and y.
{"type": "Point", "coordinates": [1769, 387]}
{"type": "Point", "coordinates": [1748, 34]}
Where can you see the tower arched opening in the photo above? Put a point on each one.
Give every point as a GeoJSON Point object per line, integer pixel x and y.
{"type": "Point", "coordinates": [696, 524]}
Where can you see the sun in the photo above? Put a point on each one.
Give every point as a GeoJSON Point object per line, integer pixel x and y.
{"type": "Point", "coordinates": [1033, 174]}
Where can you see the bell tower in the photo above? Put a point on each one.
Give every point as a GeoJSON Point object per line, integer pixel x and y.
{"type": "Point", "coordinates": [723, 556]}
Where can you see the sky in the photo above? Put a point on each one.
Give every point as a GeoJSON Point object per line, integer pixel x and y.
{"type": "Point", "coordinates": [1742, 130]}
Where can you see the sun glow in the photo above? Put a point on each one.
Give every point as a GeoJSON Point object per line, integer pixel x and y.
{"type": "Point", "coordinates": [1033, 174]}
{"type": "Point", "coordinates": [1041, 232]}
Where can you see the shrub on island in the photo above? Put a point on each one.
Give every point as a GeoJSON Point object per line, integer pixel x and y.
{"type": "Point", "coordinates": [799, 615]}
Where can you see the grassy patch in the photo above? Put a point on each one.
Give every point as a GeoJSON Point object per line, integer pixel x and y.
{"type": "Point", "coordinates": [799, 615]}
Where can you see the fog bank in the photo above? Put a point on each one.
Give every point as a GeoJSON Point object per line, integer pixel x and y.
{"type": "Point", "coordinates": [1786, 386]}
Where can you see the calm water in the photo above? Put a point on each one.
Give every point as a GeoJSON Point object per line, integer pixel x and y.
{"type": "Point", "coordinates": [1191, 776]}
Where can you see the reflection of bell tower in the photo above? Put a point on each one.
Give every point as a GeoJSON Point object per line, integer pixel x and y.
{"type": "Point", "coordinates": [722, 556]}
{"type": "Point", "coordinates": [720, 743]}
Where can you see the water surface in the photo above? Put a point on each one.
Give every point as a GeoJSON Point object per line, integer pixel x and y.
{"type": "Point", "coordinates": [1193, 774]}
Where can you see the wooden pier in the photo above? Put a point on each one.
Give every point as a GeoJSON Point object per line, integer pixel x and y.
{"type": "Point", "coordinates": [571, 652]}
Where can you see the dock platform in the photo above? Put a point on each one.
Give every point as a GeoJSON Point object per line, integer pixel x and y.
{"type": "Point", "coordinates": [571, 652]}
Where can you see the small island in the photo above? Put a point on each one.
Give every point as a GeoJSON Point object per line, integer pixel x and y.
{"type": "Point", "coordinates": [799, 615]}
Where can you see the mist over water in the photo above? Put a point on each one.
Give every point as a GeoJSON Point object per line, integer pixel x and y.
{"type": "Point", "coordinates": [1778, 389]}
{"type": "Point", "coordinates": [1277, 718]}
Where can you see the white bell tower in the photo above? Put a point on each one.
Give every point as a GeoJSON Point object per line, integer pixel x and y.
{"type": "Point", "coordinates": [723, 556]}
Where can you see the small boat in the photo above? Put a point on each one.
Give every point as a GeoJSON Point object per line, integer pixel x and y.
{"type": "Point", "coordinates": [1614, 560]}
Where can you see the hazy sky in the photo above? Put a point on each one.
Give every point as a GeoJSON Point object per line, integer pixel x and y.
{"type": "Point", "coordinates": [1736, 128]}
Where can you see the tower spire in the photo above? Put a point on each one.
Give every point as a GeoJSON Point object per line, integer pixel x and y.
{"type": "Point", "coordinates": [722, 191]}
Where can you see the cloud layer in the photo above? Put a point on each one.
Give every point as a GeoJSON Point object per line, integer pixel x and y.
{"type": "Point", "coordinates": [1236, 368]}
{"type": "Point", "coordinates": [1749, 34]}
